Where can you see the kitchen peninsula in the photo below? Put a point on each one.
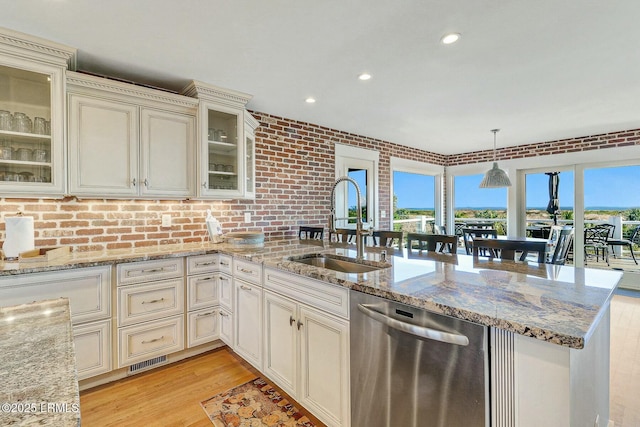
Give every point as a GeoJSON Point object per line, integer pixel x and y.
{"type": "Point", "coordinates": [553, 321]}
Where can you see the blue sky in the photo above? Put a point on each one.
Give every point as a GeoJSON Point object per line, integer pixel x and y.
{"type": "Point", "coordinates": [604, 187]}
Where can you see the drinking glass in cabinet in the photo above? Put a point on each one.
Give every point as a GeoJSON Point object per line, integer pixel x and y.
{"type": "Point", "coordinates": [6, 120]}
{"type": "Point", "coordinates": [22, 123]}
{"type": "Point", "coordinates": [39, 125]}
{"type": "Point", "coordinates": [5, 153]}
{"type": "Point", "coordinates": [40, 155]}
{"type": "Point", "coordinates": [23, 154]}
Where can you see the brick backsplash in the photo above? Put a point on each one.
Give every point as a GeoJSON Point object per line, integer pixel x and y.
{"type": "Point", "coordinates": [294, 174]}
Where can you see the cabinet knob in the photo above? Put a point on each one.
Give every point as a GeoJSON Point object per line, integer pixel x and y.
{"type": "Point", "coordinates": [204, 184]}
{"type": "Point", "coordinates": [146, 183]}
{"type": "Point", "coordinates": [300, 324]}
{"type": "Point", "coordinates": [134, 182]}
{"type": "Point", "coordinates": [291, 320]}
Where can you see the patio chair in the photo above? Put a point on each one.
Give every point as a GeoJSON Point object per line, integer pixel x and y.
{"type": "Point", "coordinates": [506, 249]}
{"type": "Point", "coordinates": [634, 239]}
{"type": "Point", "coordinates": [596, 238]}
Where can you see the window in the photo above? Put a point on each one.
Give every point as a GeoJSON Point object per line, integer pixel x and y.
{"type": "Point", "coordinates": [537, 200]}
{"type": "Point", "coordinates": [413, 202]}
{"type": "Point", "coordinates": [475, 205]}
{"type": "Point", "coordinates": [362, 166]}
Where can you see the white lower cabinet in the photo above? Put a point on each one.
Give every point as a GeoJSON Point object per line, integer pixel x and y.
{"type": "Point", "coordinates": [92, 343]}
{"type": "Point", "coordinates": [226, 327]}
{"type": "Point", "coordinates": [306, 350]}
{"type": "Point", "coordinates": [248, 321]}
{"type": "Point", "coordinates": [89, 294]}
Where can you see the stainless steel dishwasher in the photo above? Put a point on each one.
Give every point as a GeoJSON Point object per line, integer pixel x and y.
{"type": "Point", "coordinates": [411, 367]}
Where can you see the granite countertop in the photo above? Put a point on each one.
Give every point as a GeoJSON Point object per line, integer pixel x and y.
{"type": "Point", "coordinates": [558, 304]}
{"type": "Point", "coordinates": [38, 381]}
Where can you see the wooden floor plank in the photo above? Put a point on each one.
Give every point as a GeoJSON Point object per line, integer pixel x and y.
{"type": "Point", "coordinates": [168, 395]}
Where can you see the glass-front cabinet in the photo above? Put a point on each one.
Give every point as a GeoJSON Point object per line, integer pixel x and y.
{"type": "Point", "coordinates": [32, 116]}
{"type": "Point", "coordinates": [227, 144]}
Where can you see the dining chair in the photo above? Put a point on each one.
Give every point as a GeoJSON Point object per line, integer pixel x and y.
{"type": "Point", "coordinates": [388, 238]}
{"type": "Point", "coordinates": [441, 243]}
{"type": "Point", "coordinates": [506, 249]}
{"type": "Point", "coordinates": [308, 232]}
{"type": "Point", "coordinates": [468, 234]}
{"type": "Point", "coordinates": [343, 235]}
{"type": "Point", "coordinates": [596, 238]}
{"type": "Point", "coordinates": [561, 240]}
{"type": "Point", "coordinates": [634, 239]}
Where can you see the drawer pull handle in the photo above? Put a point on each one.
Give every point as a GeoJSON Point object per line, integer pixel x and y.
{"type": "Point", "coordinates": [153, 270]}
{"type": "Point", "coordinates": [223, 279]}
{"type": "Point", "coordinates": [153, 340]}
{"type": "Point", "coordinates": [291, 320]}
{"type": "Point", "coordinates": [224, 263]}
{"type": "Point", "coordinates": [246, 288]}
{"type": "Point", "coordinates": [244, 270]}
{"type": "Point", "coordinates": [205, 314]}
{"type": "Point", "coordinates": [205, 279]}
{"type": "Point", "coordinates": [300, 324]}
{"type": "Point", "coordinates": [153, 301]}
{"type": "Point", "coordinates": [223, 314]}
{"type": "Point", "coordinates": [198, 264]}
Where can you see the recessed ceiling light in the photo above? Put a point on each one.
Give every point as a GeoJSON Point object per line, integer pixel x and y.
{"type": "Point", "coordinates": [310, 100]}
{"type": "Point", "coordinates": [364, 76]}
{"type": "Point", "coordinates": [450, 38]}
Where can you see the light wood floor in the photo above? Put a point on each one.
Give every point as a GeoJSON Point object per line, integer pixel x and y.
{"type": "Point", "coordinates": [625, 361]}
{"type": "Point", "coordinates": [168, 396]}
{"type": "Point", "coordinates": [171, 395]}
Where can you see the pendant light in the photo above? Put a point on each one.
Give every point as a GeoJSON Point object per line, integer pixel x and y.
{"type": "Point", "coordinates": [495, 177]}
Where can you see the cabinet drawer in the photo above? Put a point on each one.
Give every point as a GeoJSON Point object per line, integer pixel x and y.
{"type": "Point", "coordinates": [139, 272]}
{"type": "Point", "coordinates": [203, 326]}
{"type": "Point", "coordinates": [155, 300]}
{"type": "Point", "coordinates": [202, 264]}
{"type": "Point", "coordinates": [88, 290]}
{"type": "Point", "coordinates": [247, 271]}
{"type": "Point", "coordinates": [92, 342]}
{"type": "Point", "coordinates": [202, 291]}
{"type": "Point", "coordinates": [225, 263]}
{"type": "Point", "coordinates": [148, 340]}
{"type": "Point", "coordinates": [323, 296]}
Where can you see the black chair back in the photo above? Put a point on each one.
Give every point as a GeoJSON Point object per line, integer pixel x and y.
{"type": "Point", "coordinates": [563, 240]}
{"type": "Point", "coordinates": [388, 238]}
{"type": "Point", "coordinates": [506, 249]}
{"type": "Point", "coordinates": [308, 232]}
{"type": "Point", "coordinates": [468, 234]}
{"type": "Point", "coordinates": [441, 243]}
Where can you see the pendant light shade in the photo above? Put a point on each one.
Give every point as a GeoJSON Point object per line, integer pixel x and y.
{"type": "Point", "coordinates": [495, 177]}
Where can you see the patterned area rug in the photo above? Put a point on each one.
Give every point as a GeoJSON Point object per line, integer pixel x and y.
{"type": "Point", "coordinates": [253, 404]}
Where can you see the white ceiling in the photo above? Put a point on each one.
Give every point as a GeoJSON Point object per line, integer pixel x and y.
{"type": "Point", "coordinates": [539, 70]}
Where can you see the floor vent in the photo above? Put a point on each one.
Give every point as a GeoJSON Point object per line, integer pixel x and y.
{"type": "Point", "coordinates": [147, 364]}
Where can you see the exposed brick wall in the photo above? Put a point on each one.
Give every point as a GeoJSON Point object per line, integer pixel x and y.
{"type": "Point", "coordinates": [583, 143]}
{"type": "Point", "coordinates": [294, 174]}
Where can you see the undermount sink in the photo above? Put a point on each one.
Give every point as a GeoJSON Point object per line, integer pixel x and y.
{"type": "Point", "coordinates": [341, 264]}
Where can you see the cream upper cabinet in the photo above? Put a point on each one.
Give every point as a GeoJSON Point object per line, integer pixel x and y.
{"type": "Point", "coordinates": [32, 115]}
{"type": "Point", "coordinates": [127, 141]}
{"type": "Point", "coordinates": [225, 155]}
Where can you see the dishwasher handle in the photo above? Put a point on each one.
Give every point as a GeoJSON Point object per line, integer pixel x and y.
{"type": "Point", "coordinates": [418, 331]}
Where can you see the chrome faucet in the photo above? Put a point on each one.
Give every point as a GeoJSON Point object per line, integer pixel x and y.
{"type": "Point", "coordinates": [360, 233]}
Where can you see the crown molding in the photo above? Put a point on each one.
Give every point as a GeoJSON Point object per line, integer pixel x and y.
{"type": "Point", "coordinates": [35, 48]}
{"type": "Point", "coordinates": [210, 92]}
{"type": "Point", "coordinates": [79, 80]}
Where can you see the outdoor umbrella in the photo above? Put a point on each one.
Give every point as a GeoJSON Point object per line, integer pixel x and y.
{"type": "Point", "coordinates": [554, 204]}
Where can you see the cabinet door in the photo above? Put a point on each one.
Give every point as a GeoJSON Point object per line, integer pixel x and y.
{"type": "Point", "coordinates": [202, 326]}
{"type": "Point", "coordinates": [103, 147]}
{"type": "Point", "coordinates": [249, 156]}
{"type": "Point", "coordinates": [221, 151]}
{"type": "Point", "coordinates": [31, 145]}
{"type": "Point", "coordinates": [281, 341]}
{"type": "Point", "coordinates": [167, 153]}
{"type": "Point", "coordinates": [324, 370]}
{"type": "Point", "coordinates": [226, 292]}
{"type": "Point", "coordinates": [92, 342]}
{"type": "Point", "coordinates": [248, 322]}
{"type": "Point", "coordinates": [226, 327]}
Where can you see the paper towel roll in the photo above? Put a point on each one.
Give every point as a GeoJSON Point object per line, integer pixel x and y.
{"type": "Point", "coordinates": [19, 235]}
